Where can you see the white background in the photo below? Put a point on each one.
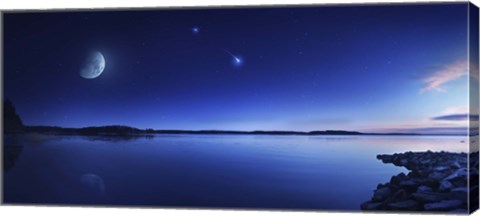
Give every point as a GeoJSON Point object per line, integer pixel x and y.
{"type": "Point", "coordinates": [83, 211]}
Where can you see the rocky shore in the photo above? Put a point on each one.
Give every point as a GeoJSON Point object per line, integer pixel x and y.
{"type": "Point", "coordinates": [436, 181]}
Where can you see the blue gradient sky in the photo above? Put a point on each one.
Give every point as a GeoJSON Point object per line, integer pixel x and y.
{"type": "Point", "coordinates": [366, 68]}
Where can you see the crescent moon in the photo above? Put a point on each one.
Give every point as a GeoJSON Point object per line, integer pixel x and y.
{"type": "Point", "coordinates": [94, 66]}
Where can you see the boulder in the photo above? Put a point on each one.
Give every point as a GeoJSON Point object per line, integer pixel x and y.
{"type": "Point", "coordinates": [403, 162]}
{"type": "Point", "coordinates": [425, 162]}
{"type": "Point", "coordinates": [400, 195]}
{"type": "Point", "coordinates": [455, 165]}
{"type": "Point", "coordinates": [385, 158]}
{"type": "Point", "coordinates": [441, 168]}
{"type": "Point", "coordinates": [436, 181]}
{"type": "Point", "coordinates": [423, 188]}
{"type": "Point", "coordinates": [398, 178]}
{"type": "Point", "coordinates": [444, 205]}
{"type": "Point", "coordinates": [429, 182]}
{"type": "Point", "coordinates": [460, 173]}
{"type": "Point", "coordinates": [459, 182]}
{"type": "Point", "coordinates": [408, 183]}
{"type": "Point", "coordinates": [409, 205]}
{"type": "Point", "coordinates": [381, 194]}
{"type": "Point", "coordinates": [445, 186]}
{"type": "Point", "coordinates": [428, 197]}
{"type": "Point", "coordinates": [460, 193]}
{"type": "Point", "coordinates": [437, 176]}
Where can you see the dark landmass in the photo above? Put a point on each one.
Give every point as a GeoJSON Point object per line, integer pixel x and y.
{"type": "Point", "coordinates": [12, 121]}
{"type": "Point", "coordinates": [437, 182]}
{"type": "Point", "coordinates": [121, 130]}
{"type": "Point", "coordinates": [125, 130]}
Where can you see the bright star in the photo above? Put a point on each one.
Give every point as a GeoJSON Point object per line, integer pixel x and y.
{"type": "Point", "coordinates": [195, 30]}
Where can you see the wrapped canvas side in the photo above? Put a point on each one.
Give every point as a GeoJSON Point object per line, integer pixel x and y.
{"type": "Point", "coordinates": [474, 106]}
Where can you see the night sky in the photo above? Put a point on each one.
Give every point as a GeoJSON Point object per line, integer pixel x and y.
{"type": "Point", "coordinates": [366, 68]}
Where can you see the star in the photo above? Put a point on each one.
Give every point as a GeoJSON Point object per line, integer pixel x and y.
{"type": "Point", "coordinates": [195, 30]}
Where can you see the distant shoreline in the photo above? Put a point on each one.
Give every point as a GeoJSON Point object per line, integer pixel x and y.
{"type": "Point", "coordinates": [14, 124]}
{"type": "Point", "coordinates": [117, 130]}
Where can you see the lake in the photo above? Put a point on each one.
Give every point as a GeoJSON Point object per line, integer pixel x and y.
{"type": "Point", "coordinates": [209, 171]}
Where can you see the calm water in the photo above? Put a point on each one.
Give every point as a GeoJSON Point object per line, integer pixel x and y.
{"type": "Point", "coordinates": [238, 171]}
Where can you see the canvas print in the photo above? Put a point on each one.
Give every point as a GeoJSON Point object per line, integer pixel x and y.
{"type": "Point", "coordinates": [366, 107]}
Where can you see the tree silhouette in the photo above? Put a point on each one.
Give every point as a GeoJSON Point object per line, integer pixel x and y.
{"type": "Point", "coordinates": [12, 121]}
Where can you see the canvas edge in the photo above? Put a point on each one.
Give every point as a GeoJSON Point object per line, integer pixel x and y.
{"type": "Point", "coordinates": [2, 190]}
{"type": "Point", "coordinates": [235, 6]}
{"type": "Point", "coordinates": [473, 57]}
{"type": "Point", "coordinates": [473, 34]}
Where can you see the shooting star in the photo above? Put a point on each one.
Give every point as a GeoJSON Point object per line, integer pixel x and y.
{"type": "Point", "coordinates": [236, 60]}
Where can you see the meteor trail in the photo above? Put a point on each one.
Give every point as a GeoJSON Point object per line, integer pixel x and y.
{"type": "Point", "coordinates": [237, 60]}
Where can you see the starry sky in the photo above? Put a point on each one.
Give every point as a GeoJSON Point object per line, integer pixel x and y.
{"type": "Point", "coordinates": [375, 68]}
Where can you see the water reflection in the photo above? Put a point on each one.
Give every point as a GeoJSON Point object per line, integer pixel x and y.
{"type": "Point", "coordinates": [227, 171]}
{"type": "Point", "coordinates": [11, 153]}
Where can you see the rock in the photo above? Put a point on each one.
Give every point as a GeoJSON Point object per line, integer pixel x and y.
{"type": "Point", "coordinates": [436, 181]}
{"type": "Point", "coordinates": [371, 205]}
{"type": "Point", "coordinates": [445, 186]}
{"type": "Point", "coordinates": [429, 182]}
{"type": "Point", "coordinates": [385, 158]}
{"type": "Point", "coordinates": [428, 197]}
{"type": "Point", "coordinates": [437, 176]}
{"type": "Point", "coordinates": [408, 183]}
{"type": "Point", "coordinates": [444, 205]}
{"type": "Point", "coordinates": [400, 195]}
{"type": "Point", "coordinates": [460, 193]}
{"type": "Point", "coordinates": [460, 182]}
{"type": "Point", "coordinates": [381, 194]}
{"type": "Point", "coordinates": [423, 188]}
{"type": "Point", "coordinates": [404, 205]}
{"type": "Point", "coordinates": [398, 178]}
{"type": "Point", "coordinates": [425, 162]}
{"type": "Point", "coordinates": [460, 173]}
{"type": "Point", "coordinates": [441, 168]}
{"type": "Point", "coordinates": [403, 162]}
{"type": "Point", "coordinates": [455, 165]}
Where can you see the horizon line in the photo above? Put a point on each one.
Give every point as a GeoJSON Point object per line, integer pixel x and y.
{"type": "Point", "coordinates": [311, 132]}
